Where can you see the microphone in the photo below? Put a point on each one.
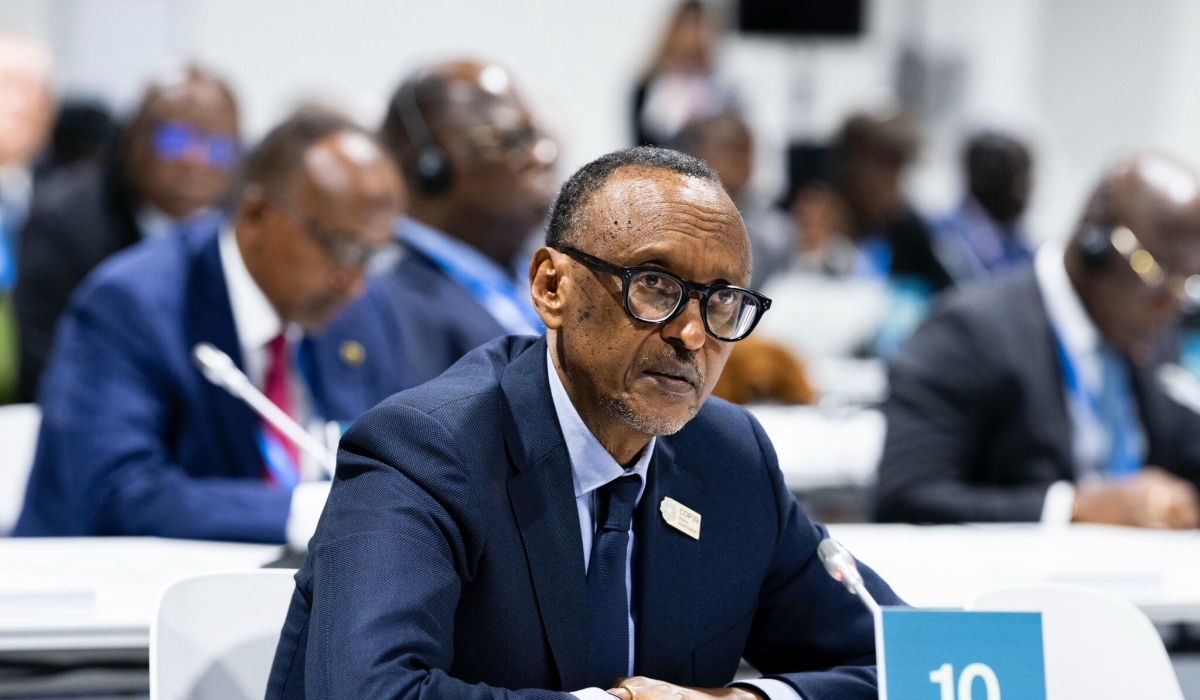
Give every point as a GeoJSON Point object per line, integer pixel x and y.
{"type": "Point", "coordinates": [218, 368]}
{"type": "Point", "coordinates": [840, 564]}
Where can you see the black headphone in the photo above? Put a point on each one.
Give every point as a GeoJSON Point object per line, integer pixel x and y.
{"type": "Point", "coordinates": [433, 170]}
{"type": "Point", "coordinates": [1095, 246]}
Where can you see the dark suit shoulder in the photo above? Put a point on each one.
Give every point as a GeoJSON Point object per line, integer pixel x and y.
{"type": "Point", "coordinates": [723, 434]}
{"type": "Point", "coordinates": [725, 425]}
{"type": "Point", "coordinates": [417, 274]}
{"type": "Point", "coordinates": [151, 273]}
{"type": "Point", "coordinates": [993, 301]}
{"type": "Point", "coordinates": [986, 323]}
{"type": "Point", "coordinates": [476, 374]}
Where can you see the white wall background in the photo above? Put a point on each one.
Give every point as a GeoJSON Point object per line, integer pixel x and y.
{"type": "Point", "coordinates": [1084, 80]}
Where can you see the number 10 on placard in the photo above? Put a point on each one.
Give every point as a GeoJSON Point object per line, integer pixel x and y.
{"type": "Point", "coordinates": [944, 677]}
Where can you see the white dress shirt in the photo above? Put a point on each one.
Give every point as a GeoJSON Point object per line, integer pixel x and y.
{"type": "Point", "coordinates": [592, 467]}
{"type": "Point", "coordinates": [1082, 343]}
{"type": "Point", "coordinates": [257, 324]}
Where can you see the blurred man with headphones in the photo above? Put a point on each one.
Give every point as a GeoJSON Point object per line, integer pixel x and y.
{"type": "Point", "coordinates": [481, 178]}
{"type": "Point", "coordinates": [1051, 393]}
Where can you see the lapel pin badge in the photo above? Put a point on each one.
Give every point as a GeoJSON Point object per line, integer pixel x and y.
{"type": "Point", "coordinates": [680, 517]}
{"type": "Point", "coordinates": [352, 353]}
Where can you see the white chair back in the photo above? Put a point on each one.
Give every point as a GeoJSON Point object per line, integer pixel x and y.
{"type": "Point", "coordinates": [214, 636]}
{"type": "Point", "coordinates": [19, 425]}
{"type": "Point", "coordinates": [1097, 645]}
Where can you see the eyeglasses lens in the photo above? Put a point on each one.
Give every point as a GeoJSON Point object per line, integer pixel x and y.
{"type": "Point", "coordinates": [653, 297]}
{"type": "Point", "coordinates": [174, 142]}
{"type": "Point", "coordinates": [731, 313]}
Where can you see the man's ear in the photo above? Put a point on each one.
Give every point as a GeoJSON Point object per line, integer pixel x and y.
{"type": "Point", "coordinates": [252, 203]}
{"type": "Point", "coordinates": [546, 286]}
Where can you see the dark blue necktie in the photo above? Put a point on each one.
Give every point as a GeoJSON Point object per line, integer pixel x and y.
{"type": "Point", "coordinates": [608, 601]}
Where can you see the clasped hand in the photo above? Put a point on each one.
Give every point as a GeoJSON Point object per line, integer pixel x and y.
{"type": "Point", "coordinates": [639, 688]}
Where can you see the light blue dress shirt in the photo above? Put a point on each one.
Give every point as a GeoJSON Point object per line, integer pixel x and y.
{"type": "Point", "coordinates": [592, 467]}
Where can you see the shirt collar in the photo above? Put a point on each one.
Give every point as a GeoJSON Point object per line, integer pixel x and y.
{"type": "Point", "coordinates": [1070, 319]}
{"type": "Point", "coordinates": [443, 247]}
{"type": "Point", "coordinates": [154, 223]}
{"type": "Point", "coordinates": [255, 320]}
{"type": "Point", "coordinates": [591, 465]}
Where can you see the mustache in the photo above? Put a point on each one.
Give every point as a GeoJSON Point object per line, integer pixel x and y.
{"type": "Point", "coordinates": [674, 361]}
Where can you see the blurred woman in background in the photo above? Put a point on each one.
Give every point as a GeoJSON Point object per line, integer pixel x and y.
{"type": "Point", "coordinates": [681, 83]}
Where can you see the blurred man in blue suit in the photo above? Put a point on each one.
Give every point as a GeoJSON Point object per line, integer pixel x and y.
{"type": "Point", "coordinates": [481, 178]}
{"type": "Point", "coordinates": [134, 440]}
{"type": "Point", "coordinates": [568, 514]}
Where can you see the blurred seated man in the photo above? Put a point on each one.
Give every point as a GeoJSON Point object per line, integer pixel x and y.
{"type": "Point", "coordinates": [1037, 395]}
{"type": "Point", "coordinates": [171, 167]}
{"type": "Point", "coordinates": [484, 537]}
{"type": "Point", "coordinates": [724, 142]}
{"type": "Point", "coordinates": [481, 178]}
{"type": "Point", "coordinates": [892, 241]}
{"type": "Point", "coordinates": [135, 441]}
{"type": "Point", "coordinates": [27, 107]}
{"type": "Point", "coordinates": [984, 235]}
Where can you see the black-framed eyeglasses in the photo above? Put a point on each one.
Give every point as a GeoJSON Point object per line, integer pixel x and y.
{"type": "Point", "coordinates": [514, 145]}
{"type": "Point", "coordinates": [1152, 273]}
{"type": "Point", "coordinates": [340, 246]}
{"type": "Point", "coordinates": [655, 296]}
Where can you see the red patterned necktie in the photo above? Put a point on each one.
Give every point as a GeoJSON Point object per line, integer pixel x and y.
{"type": "Point", "coordinates": [278, 389]}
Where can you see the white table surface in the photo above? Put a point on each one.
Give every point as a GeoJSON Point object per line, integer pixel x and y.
{"type": "Point", "coordinates": [946, 566]}
{"type": "Point", "coordinates": [100, 593]}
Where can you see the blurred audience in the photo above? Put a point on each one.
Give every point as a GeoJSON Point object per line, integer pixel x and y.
{"type": "Point", "coordinates": [681, 83]}
{"type": "Point", "coordinates": [84, 133]}
{"type": "Point", "coordinates": [27, 106]}
{"type": "Point", "coordinates": [984, 235]}
{"type": "Point", "coordinates": [171, 168]}
{"type": "Point", "coordinates": [724, 142]}
{"type": "Point", "coordinates": [134, 440]}
{"type": "Point", "coordinates": [1040, 395]}
{"type": "Point", "coordinates": [481, 178]}
{"type": "Point", "coordinates": [820, 244]}
{"type": "Point", "coordinates": [870, 158]}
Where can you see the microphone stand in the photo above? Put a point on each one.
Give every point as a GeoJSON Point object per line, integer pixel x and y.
{"type": "Point", "coordinates": [218, 368]}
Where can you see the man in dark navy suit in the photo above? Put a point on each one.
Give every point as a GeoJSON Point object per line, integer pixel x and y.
{"type": "Point", "coordinates": [134, 441]}
{"type": "Point", "coordinates": [481, 179]}
{"type": "Point", "coordinates": [573, 513]}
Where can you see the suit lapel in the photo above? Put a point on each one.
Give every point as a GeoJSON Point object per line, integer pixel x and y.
{"type": "Point", "coordinates": [542, 495]}
{"type": "Point", "coordinates": [210, 320]}
{"type": "Point", "coordinates": [1042, 364]}
{"type": "Point", "coordinates": [666, 572]}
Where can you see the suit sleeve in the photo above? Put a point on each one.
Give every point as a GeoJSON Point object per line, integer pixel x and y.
{"type": "Point", "coordinates": [388, 564]}
{"type": "Point", "coordinates": [941, 391]}
{"type": "Point", "coordinates": [107, 418]}
{"type": "Point", "coordinates": [808, 630]}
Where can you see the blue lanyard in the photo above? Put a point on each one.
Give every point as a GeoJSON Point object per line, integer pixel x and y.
{"type": "Point", "coordinates": [499, 296]}
{"type": "Point", "coordinates": [8, 251]}
{"type": "Point", "coordinates": [874, 260]}
{"type": "Point", "coordinates": [1125, 451]}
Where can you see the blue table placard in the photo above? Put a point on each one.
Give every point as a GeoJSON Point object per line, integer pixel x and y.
{"type": "Point", "coordinates": [956, 655]}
